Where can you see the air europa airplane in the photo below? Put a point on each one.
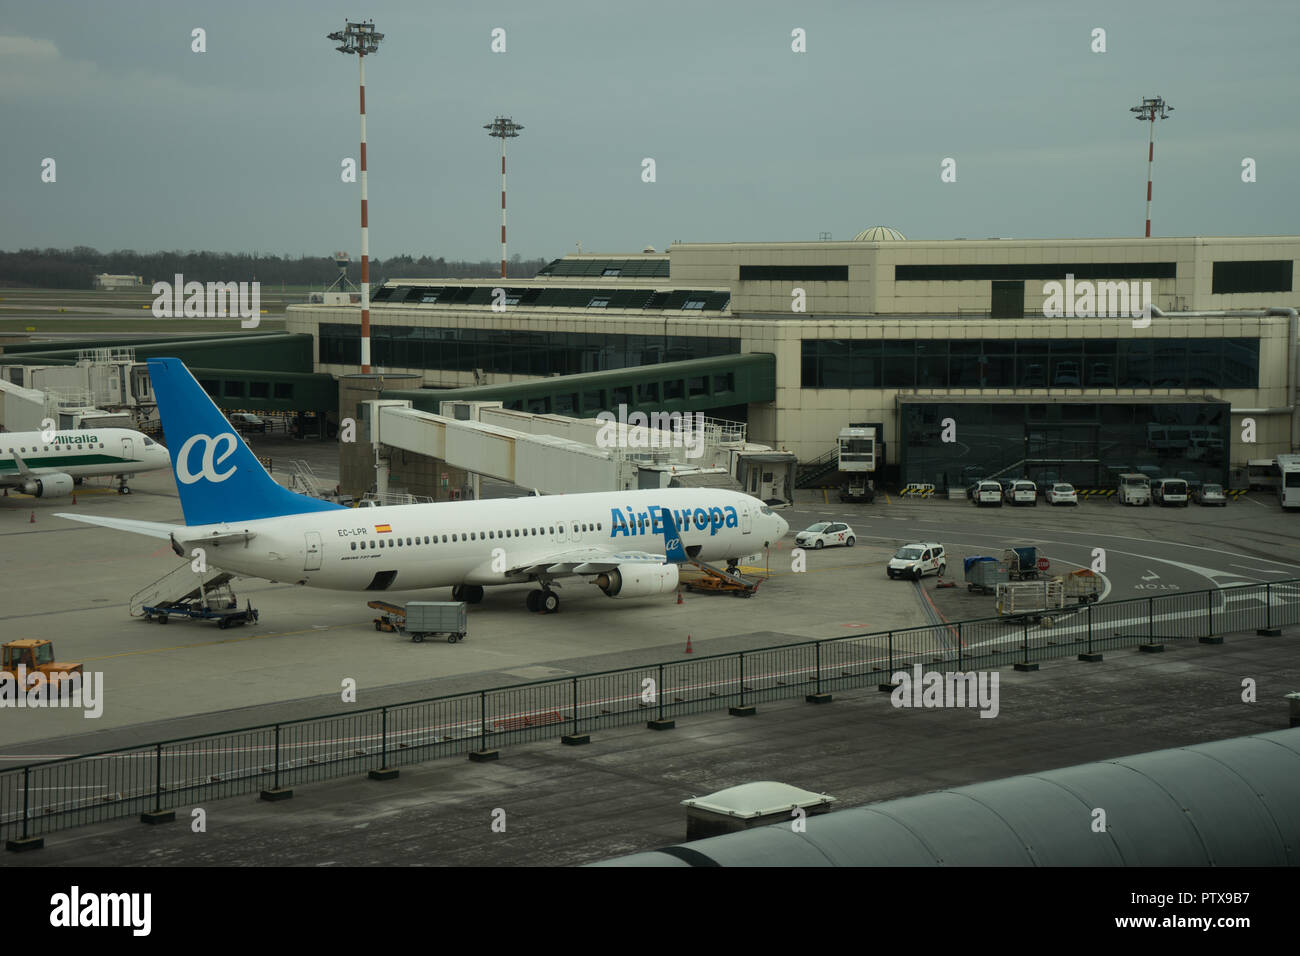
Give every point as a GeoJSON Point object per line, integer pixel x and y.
{"type": "Point", "coordinates": [247, 524]}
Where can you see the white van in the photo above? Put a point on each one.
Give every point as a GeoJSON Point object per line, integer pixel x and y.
{"type": "Point", "coordinates": [1135, 489]}
{"type": "Point", "coordinates": [1022, 493]}
{"type": "Point", "coordinates": [987, 493]}
{"type": "Point", "coordinates": [914, 560]}
{"type": "Point", "coordinates": [1170, 491]}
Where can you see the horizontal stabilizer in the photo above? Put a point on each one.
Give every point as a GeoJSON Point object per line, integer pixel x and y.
{"type": "Point", "coordinates": [153, 529]}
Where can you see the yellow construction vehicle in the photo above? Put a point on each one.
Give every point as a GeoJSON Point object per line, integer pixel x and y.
{"type": "Point", "coordinates": [35, 657]}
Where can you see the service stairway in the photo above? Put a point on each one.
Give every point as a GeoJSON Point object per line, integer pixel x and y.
{"type": "Point", "coordinates": [180, 584]}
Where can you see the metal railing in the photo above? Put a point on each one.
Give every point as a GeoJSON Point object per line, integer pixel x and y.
{"type": "Point", "coordinates": [48, 796]}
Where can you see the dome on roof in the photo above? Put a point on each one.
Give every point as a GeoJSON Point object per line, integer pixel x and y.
{"type": "Point", "coordinates": [878, 234]}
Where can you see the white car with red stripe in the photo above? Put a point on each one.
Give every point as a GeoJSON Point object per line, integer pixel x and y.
{"type": "Point", "coordinates": [826, 534]}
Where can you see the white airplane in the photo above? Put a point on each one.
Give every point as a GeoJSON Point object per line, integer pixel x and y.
{"type": "Point", "coordinates": [249, 525]}
{"type": "Point", "coordinates": [49, 464]}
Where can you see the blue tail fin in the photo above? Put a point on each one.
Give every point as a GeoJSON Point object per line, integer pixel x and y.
{"type": "Point", "coordinates": [672, 540]}
{"type": "Point", "coordinates": [218, 476]}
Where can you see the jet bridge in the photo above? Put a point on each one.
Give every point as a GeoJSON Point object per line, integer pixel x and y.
{"type": "Point", "coordinates": [545, 462]}
{"type": "Point", "coordinates": [556, 454]}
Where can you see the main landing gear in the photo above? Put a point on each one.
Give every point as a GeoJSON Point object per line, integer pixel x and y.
{"type": "Point", "coordinates": [544, 600]}
{"type": "Point", "coordinates": [469, 593]}
{"type": "Point", "coordinates": [122, 488]}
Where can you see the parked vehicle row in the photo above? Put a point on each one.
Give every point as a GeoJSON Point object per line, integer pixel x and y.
{"type": "Point", "coordinates": [1139, 489]}
{"type": "Point", "coordinates": [1021, 491]}
{"type": "Point", "coordinates": [1134, 489]}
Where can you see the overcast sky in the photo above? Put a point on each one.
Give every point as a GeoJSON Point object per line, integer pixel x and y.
{"type": "Point", "coordinates": [239, 147]}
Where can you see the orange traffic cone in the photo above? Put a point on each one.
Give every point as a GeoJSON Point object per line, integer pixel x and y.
{"type": "Point", "coordinates": [679, 596]}
{"type": "Point", "coordinates": [33, 521]}
{"type": "Point", "coordinates": [74, 499]}
{"type": "Point", "coordinates": [688, 644]}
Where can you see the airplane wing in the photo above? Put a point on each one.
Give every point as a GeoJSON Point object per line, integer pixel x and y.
{"type": "Point", "coordinates": [584, 561]}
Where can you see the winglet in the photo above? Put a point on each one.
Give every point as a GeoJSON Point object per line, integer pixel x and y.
{"type": "Point", "coordinates": [673, 549]}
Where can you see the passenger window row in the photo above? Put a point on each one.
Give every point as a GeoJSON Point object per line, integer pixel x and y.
{"type": "Point", "coordinates": [398, 542]}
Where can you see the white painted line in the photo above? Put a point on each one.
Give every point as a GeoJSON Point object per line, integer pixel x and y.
{"type": "Point", "coordinates": [1257, 570]}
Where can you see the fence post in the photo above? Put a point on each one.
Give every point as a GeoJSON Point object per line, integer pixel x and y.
{"type": "Point", "coordinates": [575, 705]}
{"type": "Point", "coordinates": [891, 652]}
{"type": "Point", "coordinates": [1151, 620]}
{"type": "Point", "coordinates": [157, 778]}
{"type": "Point", "coordinates": [1090, 607]}
{"type": "Point", "coordinates": [383, 771]}
{"type": "Point", "coordinates": [742, 678]}
{"type": "Point", "coordinates": [276, 793]}
{"type": "Point", "coordinates": [27, 789]}
{"type": "Point", "coordinates": [818, 646]}
{"type": "Point", "coordinates": [482, 719]}
{"type": "Point", "coordinates": [661, 691]}
{"type": "Point", "coordinates": [959, 646]}
{"type": "Point", "coordinates": [1026, 638]}
{"type": "Point", "coordinates": [1268, 605]}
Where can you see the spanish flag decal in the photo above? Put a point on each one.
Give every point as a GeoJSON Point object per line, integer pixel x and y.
{"type": "Point", "coordinates": [383, 529]}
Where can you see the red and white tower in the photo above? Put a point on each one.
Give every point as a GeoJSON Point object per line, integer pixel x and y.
{"type": "Point", "coordinates": [504, 128]}
{"type": "Point", "coordinates": [1149, 111]}
{"type": "Point", "coordinates": [361, 39]}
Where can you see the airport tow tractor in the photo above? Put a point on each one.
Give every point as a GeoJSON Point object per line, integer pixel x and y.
{"type": "Point", "coordinates": [36, 657]}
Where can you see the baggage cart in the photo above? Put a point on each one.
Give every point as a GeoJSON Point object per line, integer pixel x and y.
{"type": "Point", "coordinates": [984, 574]}
{"type": "Point", "coordinates": [1083, 587]}
{"type": "Point", "coordinates": [1031, 600]}
{"type": "Point", "coordinates": [426, 618]}
{"type": "Point", "coordinates": [1022, 563]}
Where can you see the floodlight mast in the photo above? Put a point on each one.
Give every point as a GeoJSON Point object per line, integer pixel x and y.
{"type": "Point", "coordinates": [360, 38]}
{"type": "Point", "coordinates": [1149, 111]}
{"type": "Point", "coordinates": [504, 128]}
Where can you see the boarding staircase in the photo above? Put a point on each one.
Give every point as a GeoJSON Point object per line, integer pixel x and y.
{"type": "Point", "coordinates": [812, 474]}
{"type": "Point", "coordinates": [180, 584]}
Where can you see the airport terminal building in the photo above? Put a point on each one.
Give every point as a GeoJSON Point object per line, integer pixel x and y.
{"type": "Point", "coordinates": [970, 355]}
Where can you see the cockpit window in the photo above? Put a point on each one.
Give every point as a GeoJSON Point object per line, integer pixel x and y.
{"type": "Point", "coordinates": [764, 510]}
{"type": "Point", "coordinates": [148, 440]}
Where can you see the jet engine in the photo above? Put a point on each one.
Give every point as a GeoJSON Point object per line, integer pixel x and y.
{"type": "Point", "coordinates": [638, 580]}
{"type": "Point", "coordinates": [57, 485]}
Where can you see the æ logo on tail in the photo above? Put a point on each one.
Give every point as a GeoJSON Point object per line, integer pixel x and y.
{"type": "Point", "coordinates": [672, 540]}
{"type": "Point", "coordinates": [211, 458]}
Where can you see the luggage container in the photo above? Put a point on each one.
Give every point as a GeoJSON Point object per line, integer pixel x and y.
{"type": "Point", "coordinates": [984, 574]}
{"type": "Point", "coordinates": [1083, 587]}
{"type": "Point", "coordinates": [1031, 600]}
{"type": "Point", "coordinates": [1021, 562]}
{"type": "Point", "coordinates": [426, 618]}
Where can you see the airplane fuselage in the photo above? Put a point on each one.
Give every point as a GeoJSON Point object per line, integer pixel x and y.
{"type": "Point", "coordinates": [80, 454]}
{"type": "Point", "coordinates": [409, 547]}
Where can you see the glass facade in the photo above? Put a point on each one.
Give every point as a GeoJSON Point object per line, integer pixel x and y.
{"type": "Point", "coordinates": [1085, 443]}
{"type": "Point", "coordinates": [512, 352]}
{"type": "Point", "coordinates": [1030, 363]}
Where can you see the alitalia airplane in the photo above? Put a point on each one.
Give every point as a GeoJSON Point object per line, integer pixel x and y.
{"type": "Point", "coordinates": [49, 464]}
{"type": "Point", "coordinates": [249, 525]}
